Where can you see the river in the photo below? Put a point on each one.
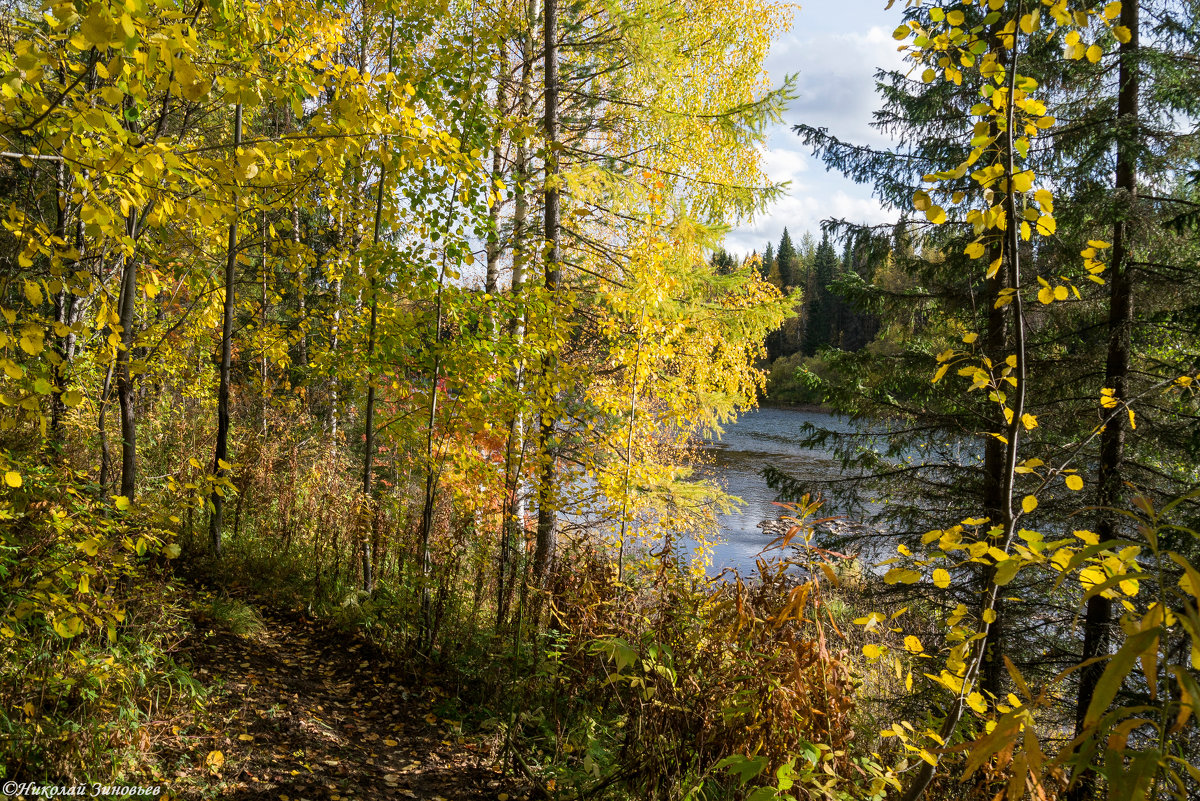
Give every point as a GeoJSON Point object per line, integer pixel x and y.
{"type": "Point", "coordinates": [735, 461]}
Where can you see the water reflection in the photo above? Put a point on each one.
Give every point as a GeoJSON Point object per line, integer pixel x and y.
{"type": "Point", "coordinates": [735, 461]}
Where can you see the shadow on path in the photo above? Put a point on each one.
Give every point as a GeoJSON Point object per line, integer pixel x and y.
{"type": "Point", "coordinates": [302, 712]}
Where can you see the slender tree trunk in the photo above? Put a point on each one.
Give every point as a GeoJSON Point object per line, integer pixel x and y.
{"type": "Point", "coordinates": [995, 344]}
{"type": "Point", "coordinates": [1009, 516]}
{"type": "Point", "coordinates": [369, 416]}
{"type": "Point", "coordinates": [492, 247]}
{"type": "Point", "coordinates": [102, 429]}
{"type": "Point", "coordinates": [64, 303]}
{"type": "Point", "coordinates": [334, 383]}
{"type": "Point", "coordinates": [369, 439]}
{"type": "Point", "coordinates": [1098, 618]}
{"type": "Point", "coordinates": [301, 294]}
{"type": "Point", "coordinates": [633, 399]}
{"type": "Point", "coordinates": [512, 525]}
{"type": "Point", "coordinates": [431, 473]}
{"type": "Point", "coordinates": [547, 524]}
{"type": "Point", "coordinates": [220, 457]}
{"type": "Point", "coordinates": [262, 332]}
{"type": "Point", "coordinates": [127, 304]}
{"type": "Point", "coordinates": [334, 344]}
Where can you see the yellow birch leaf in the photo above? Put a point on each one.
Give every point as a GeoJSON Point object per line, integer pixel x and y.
{"type": "Point", "coordinates": [98, 27]}
{"type": "Point", "coordinates": [1028, 504]}
{"type": "Point", "coordinates": [901, 575]}
{"type": "Point", "coordinates": [33, 293]}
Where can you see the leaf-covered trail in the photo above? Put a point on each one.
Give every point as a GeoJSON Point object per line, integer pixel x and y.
{"type": "Point", "coordinates": [303, 711]}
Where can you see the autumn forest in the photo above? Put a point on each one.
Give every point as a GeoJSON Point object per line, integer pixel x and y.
{"type": "Point", "coordinates": [363, 365]}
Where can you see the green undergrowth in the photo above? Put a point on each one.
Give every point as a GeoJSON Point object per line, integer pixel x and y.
{"type": "Point", "coordinates": [91, 621]}
{"type": "Point", "coordinates": [665, 686]}
{"type": "Point", "coordinates": [660, 686]}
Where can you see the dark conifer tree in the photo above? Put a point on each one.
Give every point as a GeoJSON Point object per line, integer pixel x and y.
{"type": "Point", "coordinates": [820, 323]}
{"type": "Point", "coordinates": [791, 271]}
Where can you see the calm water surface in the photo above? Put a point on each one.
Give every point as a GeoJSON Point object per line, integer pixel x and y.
{"type": "Point", "coordinates": [760, 438]}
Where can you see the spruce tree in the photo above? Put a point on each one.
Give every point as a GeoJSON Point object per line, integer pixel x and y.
{"type": "Point", "coordinates": [770, 267]}
{"type": "Point", "coordinates": [791, 271]}
{"type": "Point", "coordinates": [926, 293]}
{"type": "Point", "coordinates": [819, 323]}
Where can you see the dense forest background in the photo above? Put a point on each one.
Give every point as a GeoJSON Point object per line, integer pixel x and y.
{"type": "Point", "coordinates": [827, 316]}
{"type": "Point", "coordinates": [357, 356]}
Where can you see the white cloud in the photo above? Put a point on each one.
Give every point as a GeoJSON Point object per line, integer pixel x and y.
{"type": "Point", "coordinates": [836, 80]}
{"type": "Point", "coordinates": [803, 211]}
{"type": "Point", "coordinates": [784, 165]}
{"type": "Point", "coordinates": [835, 47]}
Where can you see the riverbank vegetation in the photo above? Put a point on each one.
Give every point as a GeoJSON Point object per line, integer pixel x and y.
{"type": "Point", "coordinates": [1046, 264]}
{"type": "Point", "coordinates": [400, 322]}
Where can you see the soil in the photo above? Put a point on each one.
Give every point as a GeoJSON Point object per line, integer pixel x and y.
{"type": "Point", "coordinates": [303, 711]}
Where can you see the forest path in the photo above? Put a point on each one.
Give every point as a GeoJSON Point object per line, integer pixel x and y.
{"type": "Point", "coordinates": [302, 711]}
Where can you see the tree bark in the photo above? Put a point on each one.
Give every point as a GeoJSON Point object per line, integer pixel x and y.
{"type": "Point", "coordinates": [1098, 618]}
{"type": "Point", "coordinates": [431, 474]}
{"type": "Point", "coordinates": [369, 415]}
{"type": "Point", "coordinates": [64, 303]}
{"type": "Point", "coordinates": [126, 305]}
{"type": "Point", "coordinates": [547, 524]}
{"type": "Point", "coordinates": [1009, 516]}
{"type": "Point", "coordinates": [220, 457]}
{"type": "Point", "coordinates": [995, 343]}
{"type": "Point", "coordinates": [512, 525]}
{"type": "Point", "coordinates": [262, 333]}
{"type": "Point", "coordinates": [301, 296]}
{"type": "Point", "coordinates": [492, 247]}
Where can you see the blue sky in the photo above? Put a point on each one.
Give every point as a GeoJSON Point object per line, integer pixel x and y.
{"type": "Point", "coordinates": [835, 47]}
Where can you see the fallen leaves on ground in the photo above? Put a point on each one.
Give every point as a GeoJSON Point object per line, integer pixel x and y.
{"type": "Point", "coordinates": [304, 712]}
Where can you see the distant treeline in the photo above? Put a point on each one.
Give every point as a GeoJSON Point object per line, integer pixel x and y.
{"type": "Point", "coordinates": [829, 314]}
